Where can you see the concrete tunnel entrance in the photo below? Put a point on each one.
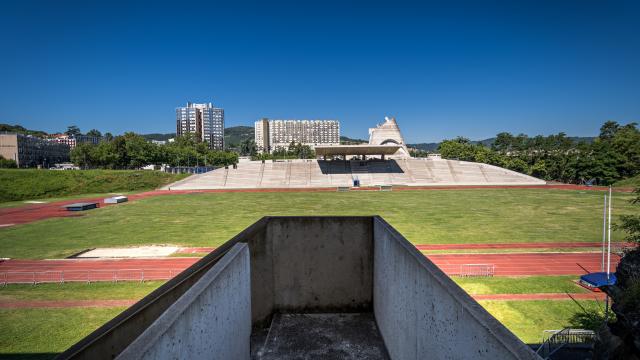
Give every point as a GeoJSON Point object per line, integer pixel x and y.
{"type": "Point", "coordinates": [307, 287]}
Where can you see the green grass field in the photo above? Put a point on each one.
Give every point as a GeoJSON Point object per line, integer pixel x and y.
{"type": "Point", "coordinates": [528, 319]}
{"type": "Point", "coordinates": [41, 333]}
{"type": "Point", "coordinates": [79, 291]}
{"type": "Point", "coordinates": [519, 285]}
{"type": "Point", "coordinates": [23, 184]}
{"type": "Point", "coordinates": [209, 219]}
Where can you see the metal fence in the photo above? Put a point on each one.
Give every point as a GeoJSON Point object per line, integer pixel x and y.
{"type": "Point", "coordinates": [477, 269]}
{"type": "Point", "coordinates": [88, 276]}
{"type": "Point", "coordinates": [554, 340]}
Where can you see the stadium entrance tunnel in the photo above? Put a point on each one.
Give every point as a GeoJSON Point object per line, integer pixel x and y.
{"type": "Point", "coordinates": [307, 287]}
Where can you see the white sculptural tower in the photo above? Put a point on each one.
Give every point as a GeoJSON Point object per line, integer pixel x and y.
{"type": "Point", "coordinates": [388, 133]}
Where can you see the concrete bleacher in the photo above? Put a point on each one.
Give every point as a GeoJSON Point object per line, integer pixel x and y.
{"type": "Point", "coordinates": [335, 173]}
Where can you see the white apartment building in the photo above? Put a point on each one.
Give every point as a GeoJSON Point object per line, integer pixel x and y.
{"type": "Point", "coordinates": [273, 134]}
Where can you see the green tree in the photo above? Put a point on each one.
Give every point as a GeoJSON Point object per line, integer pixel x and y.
{"type": "Point", "coordinates": [73, 130]}
{"type": "Point", "coordinates": [94, 132]}
{"type": "Point", "coordinates": [7, 163]}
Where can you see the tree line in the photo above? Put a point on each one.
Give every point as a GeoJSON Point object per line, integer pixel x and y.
{"type": "Point", "coordinates": [131, 151]}
{"type": "Point", "coordinates": [612, 156]}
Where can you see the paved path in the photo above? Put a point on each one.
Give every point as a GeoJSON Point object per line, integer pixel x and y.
{"type": "Point", "coordinates": [34, 212]}
{"type": "Point", "coordinates": [522, 264]}
{"type": "Point", "coordinates": [543, 296]}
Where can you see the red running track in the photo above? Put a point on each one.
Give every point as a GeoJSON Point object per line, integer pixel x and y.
{"type": "Point", "coordinates": [34, 212]}
{"type": "Point", "coordinates": [28, 271]}
{"type": "Point", "coordinates": [537, 245]}
{"type": "Point", "coordinates": [90, 270]}
{"type": "Point", "coordinates": [524, 264]}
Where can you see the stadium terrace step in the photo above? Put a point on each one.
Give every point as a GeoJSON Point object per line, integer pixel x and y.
{"type": "Point", "coordinates": [372, 172]}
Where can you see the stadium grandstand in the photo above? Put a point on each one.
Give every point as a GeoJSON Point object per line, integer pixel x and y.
{"type": "Point", "coordinates": [382, 162]}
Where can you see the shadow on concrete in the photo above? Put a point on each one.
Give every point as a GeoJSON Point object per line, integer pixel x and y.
{"type": "Point", "coordinates": [28, 356]}
{"type": "Point", "coordinates": [373, 166]}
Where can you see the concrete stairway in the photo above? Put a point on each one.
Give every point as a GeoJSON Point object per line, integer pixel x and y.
{"type": "Point", "coordinates": [318, 173]}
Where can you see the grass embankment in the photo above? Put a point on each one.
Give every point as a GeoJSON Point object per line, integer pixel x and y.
{"type": "Point", "coordinates": [24, 184]}
{"type": "Point", "coordinates": [528, 319]}
{"type": "Point", "coordinates": [519, 285]}
{"type": "Point", "coordinates": [210, 219]}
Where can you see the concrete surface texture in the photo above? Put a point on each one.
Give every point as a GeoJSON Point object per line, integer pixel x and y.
{"type": "Point", "coordinates": [374, 172]}
{"type": "Point", "coordinates": [303, 266]}
{"type": "Point", "coordinates": [420, 311]}
{"type": "Point", "coordinates": [129, 252]}
{"type": "Point", "coordinates": [211, 320]}
{"type": "Point", "coordinates": [323, 336]}
{"type": "Point", "coordinates": [388, 133]}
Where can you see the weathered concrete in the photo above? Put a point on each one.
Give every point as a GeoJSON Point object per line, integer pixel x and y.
{"type": "Point", "coordinates": [421, 312]}
{"type": "Point", "coordinates": [323, 336]}
{"type": "Point", "coordinates": [321, 264]}
{"type": "Point", "coordinates": [211, 320]}
{"type": "Point", "coordinates": [310, 265]}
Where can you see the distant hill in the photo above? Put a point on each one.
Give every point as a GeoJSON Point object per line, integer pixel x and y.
{"type": "Point", "coordinates": [232, 135]}
{"type": "Point", "coordinates": [21, 130]}
{"type": "Point", "coordinates": [344, 140]}
{"type": "Point", "coordinates": [431, 147]}
{"type": "Point", "coordinates": [236, 134]}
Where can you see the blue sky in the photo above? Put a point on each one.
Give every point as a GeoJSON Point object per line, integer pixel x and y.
{"type": "Point", "coordinates": [443, 69]}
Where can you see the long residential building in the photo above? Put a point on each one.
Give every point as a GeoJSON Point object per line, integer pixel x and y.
{"type": "Point", "coordinates": [273, 134]}
{"type": "Point", "coordinates": [204, 120]}
{"type": "Point", "coordinates": [31, 151]}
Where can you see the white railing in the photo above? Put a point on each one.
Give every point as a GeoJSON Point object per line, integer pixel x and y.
{"type": "Point", "coordinates": [88, 276]}
{"type": "Point", "coordinates": [477, 269]}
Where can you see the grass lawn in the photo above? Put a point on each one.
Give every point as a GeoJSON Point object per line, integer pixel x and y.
{"type": "Point", "coordinates": [527, 319]}
{"type": "Point", "coordinates": [23, 184]}
{"type": "Point", "coordinates": [519, 285]}
{"type": "Point", "coordinates": [41, 333]}
{"type": "Point", "coordinates": [79, 291]}
{"type": "Point", "coordinates": [630, 182]}
{"type": "Point", "coordinates": [438, 216]}
{"type": "Point", "coordinates": [11, 204]}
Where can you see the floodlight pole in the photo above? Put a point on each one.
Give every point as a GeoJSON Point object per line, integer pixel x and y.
{"type": "Point", "coordinates": [606, 304]}
{"type": "Point", "coordinates": [609, 238]}
{"type": "Point", "coordinates": [604, 230]}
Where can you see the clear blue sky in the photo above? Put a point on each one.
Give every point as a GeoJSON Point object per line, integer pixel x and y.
{"type": "Point", "coordinates": [443, 69]}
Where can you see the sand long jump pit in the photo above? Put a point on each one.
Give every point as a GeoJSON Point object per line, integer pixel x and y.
{"type": "Point", "coordinates": [129, 252]}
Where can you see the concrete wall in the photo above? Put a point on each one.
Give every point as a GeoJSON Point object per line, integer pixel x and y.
{"type": "Point", "coordinates": [311, 264]}
{"type": "Point", "coordinates": [211, 320]}
{"type": "Point", "coordinates": [421, 312]}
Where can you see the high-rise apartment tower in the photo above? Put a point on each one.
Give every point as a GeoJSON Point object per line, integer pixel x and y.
{"type": "Point", "coordinates": [204, 120]}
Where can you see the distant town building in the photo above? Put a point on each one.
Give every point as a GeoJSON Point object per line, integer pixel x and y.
{"type": "Point", "coordinates": [74, 140]}
{"type": "Point", "coordinates": [204, 120]}
{"type": "Point", "coordinates": [31, 151]}
{"type": "Point", "coordinates": [273, 134]}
